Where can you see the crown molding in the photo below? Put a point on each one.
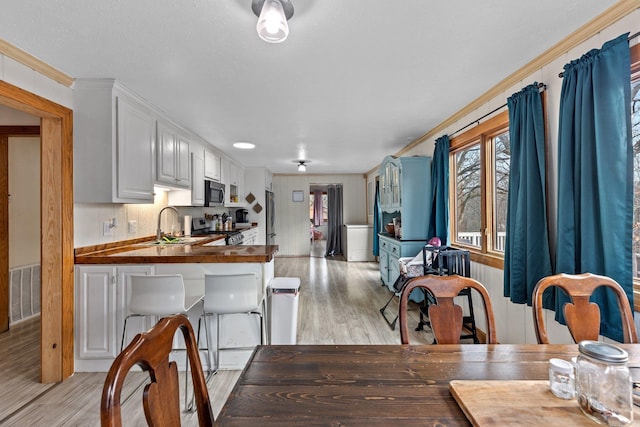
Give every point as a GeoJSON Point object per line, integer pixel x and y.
{"type": "Point", "coordinates": [34, 63]}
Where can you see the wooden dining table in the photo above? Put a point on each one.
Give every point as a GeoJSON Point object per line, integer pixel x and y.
{"type": "Point", "coordinates": [393, 385]}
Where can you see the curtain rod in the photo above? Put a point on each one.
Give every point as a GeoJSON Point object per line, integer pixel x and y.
{"type": "Point", "coordinates": [631, 37]}
{"type": "Point", "coordinates": [541, 86]}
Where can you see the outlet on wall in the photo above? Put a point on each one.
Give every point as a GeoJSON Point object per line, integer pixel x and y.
{"type": "Point", "coordinates": [133, 227]}
{"type": "Point", "coordinates": [107, 228]}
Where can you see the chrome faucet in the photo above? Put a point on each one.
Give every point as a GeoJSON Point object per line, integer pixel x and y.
{"type": "Point", "coordinates": [159, 231]}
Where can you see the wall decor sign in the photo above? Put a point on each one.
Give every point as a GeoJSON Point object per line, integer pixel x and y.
{"type": "Point", "coordinates": [298, 196]}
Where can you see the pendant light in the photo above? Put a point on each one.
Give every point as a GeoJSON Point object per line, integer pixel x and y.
{"type": "Point", "coordinates": [272, 15]}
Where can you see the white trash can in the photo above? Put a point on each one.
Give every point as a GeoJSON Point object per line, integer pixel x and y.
{"type": "Point", "coordinates": [283, 306]}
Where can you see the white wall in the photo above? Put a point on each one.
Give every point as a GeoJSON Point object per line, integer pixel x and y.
{"type": "Point", "coordinates": [24, 202]}
{"type": "Point", "coordinates": [515, 321]}
{"type": "Point", "coordinates": [25, 78]}
{"type": "Point", "coordinates": [292, 218]}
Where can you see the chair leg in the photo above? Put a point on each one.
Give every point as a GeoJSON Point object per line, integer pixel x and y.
{"type": "Point", "coordinates": [207, 332]}
{"type": "Point", "coordinates": [124, 328]}
{"type": "Point", "coordinates": [472, 319]}
{"type": "Point", "coordinates": [217, 342]}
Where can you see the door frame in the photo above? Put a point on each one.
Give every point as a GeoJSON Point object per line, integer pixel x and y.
{"type": "Point", "coordinates": [7, 132]}
{"type": "Point", "coordinates": [56, 225]}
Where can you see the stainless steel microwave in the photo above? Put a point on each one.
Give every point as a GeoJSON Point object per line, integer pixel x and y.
{"type": "Point", "coordinates": [213, 193]}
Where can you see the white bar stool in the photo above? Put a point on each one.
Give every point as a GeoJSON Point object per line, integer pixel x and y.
{"type": "Point", "coordinates": [231, 294]}
{"type": "Point", "coordinates": [159, 296]}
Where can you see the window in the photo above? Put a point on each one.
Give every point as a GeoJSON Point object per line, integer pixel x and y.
{"type": "Point", "coordinates": [635, 138]}
{"type": "Point", "coordinates": [479, 176]}
{"type": "Point", "coordinates": [325, 208]}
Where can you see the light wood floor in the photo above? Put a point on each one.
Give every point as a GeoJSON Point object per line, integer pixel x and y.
{"type": "Point", "coordinates": [339, 304]}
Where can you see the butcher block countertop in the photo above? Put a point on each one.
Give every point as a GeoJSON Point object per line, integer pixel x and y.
{"type": "Point", "coordinates": [141, 251]}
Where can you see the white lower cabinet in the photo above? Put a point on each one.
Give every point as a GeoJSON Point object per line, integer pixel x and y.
{"type": "Point", "coordinates": [250, 237]}
{"type": "Point", "coordinates": [102, 294]}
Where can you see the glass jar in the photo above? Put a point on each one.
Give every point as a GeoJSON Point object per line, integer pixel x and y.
{"type": "Point", "coordinates": [603, 383]}
{"type": "Point", "coordinates": [561, 378]}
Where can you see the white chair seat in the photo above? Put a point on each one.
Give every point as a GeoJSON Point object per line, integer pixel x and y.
{"type": "Point", "coordinates": [231, 294]}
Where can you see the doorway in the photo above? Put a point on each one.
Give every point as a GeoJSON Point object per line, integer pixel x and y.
{"type": "Point", "coordinates": [319, 220]}
{"type": "Point", "coordinates": [56, 237]}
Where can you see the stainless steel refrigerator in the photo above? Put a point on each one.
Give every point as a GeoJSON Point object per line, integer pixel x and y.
{"type": "Point", "coordinates": [271, 217]}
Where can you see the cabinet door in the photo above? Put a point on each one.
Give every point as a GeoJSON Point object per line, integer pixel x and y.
{"type": "Point", "coordinates": [135, 141]}
{"type": "Point", "coordinates": [96, 325]}
{"type": "Point", "coordinates": [384, 266]}
{"type": "Point", "coordinates": [394, 270]}
{"type": "Point", "coordinates": [384, 184]}
{"type": "Point", "coordinates": [233, 173]}
{"type": "Point", "coordinates": [197, 179]}
{"type": "Point", "coordinates": [166, 154]}
{"type": "Point", "coordinates": [183, 162]}
{"type": "Point", "coordinates": [394, 197]}
{"type": "Point", "coordinates": [135, 325]}
{"type": "Point", "coordinates": [212, 166]}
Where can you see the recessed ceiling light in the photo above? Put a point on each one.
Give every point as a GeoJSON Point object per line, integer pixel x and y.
{"type": "Point", "coordinates": [244, 145]}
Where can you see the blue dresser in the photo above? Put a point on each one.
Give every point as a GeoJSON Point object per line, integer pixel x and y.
{"type": "Point", "coordinates": [405, 194]}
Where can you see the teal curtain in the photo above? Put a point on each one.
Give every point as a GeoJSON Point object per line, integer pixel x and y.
{"type": "Point", "coordinates": [595, 175]}
{"type": "Point", "coordinates": [526, 258]}
{"type": "Point", "coordinates": [377, 220]}
{"type": "Point", "coordinates": [439, 219]}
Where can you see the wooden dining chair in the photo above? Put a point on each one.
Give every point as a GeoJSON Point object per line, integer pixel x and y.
{"type": "Point", "coordinates": [446, 317]}
{"type": "Point", "coordinates": [582, 316]}
{"type": "Point", "coordinates": [161, 401]}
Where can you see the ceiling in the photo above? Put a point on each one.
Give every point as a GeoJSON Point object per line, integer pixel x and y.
{"type": "Point", "coordinates": [355, 81]}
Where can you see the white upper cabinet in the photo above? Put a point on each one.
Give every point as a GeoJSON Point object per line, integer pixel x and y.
{"type": "Point", "coordinates": [195, 195]}
{"type": "Point", "coordinates": [112, 123]}
{"type": "Point", "coordinates": [233, 179]}
{"type": "Point", "coordinates": [173, 156]}
{"type": "Point", "coordinates": [212, 166]}
{"type": "Point", "coordinates": [197, 179]}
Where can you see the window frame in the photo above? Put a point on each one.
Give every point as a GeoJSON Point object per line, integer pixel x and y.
{"type": "Point", "coordinates": [483, 134]}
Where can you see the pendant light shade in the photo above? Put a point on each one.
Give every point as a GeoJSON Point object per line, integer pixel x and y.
{"type": "Point", "coordinates": [272, 24]}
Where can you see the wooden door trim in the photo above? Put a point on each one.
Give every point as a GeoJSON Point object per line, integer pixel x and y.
{"type": "Point", "coordinates": [57, 309]}
{"type": "Point", "coordinates": [4, 229]}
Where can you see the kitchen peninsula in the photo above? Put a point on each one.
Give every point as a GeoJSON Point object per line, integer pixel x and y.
{"type": "Point", "coordinates": [102, 276]}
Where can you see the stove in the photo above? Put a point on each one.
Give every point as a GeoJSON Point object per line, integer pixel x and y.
{"type": "Point", "coordinates": [232, 238]}
{"type": "Point", "coordinates": [200, 227]}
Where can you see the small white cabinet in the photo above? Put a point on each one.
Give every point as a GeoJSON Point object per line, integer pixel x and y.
{"type": "Point", "coordinates": [212, 166]}
{"type": "Point", "coordinates": [197, 179]}
{"type": "Point", "coordinates": [232, 176]}
{"type": "Point", "coordinates": [102, 295]}
{"type": "Point", "coordinates": [358, 242]}
{"type": "Point", "coordinates": [110, 122]}
{"type": "Point", "coordinates": [173, 156]}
